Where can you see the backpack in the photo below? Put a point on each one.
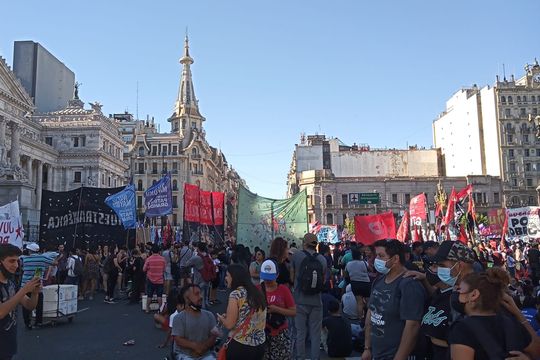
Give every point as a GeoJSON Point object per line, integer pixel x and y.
{"type": "Point", "coordinates": [311, 280]}
{"type": "Point", "coordinates": [78, 267]}
{"type": "Point", "coordinates": [208, 271]}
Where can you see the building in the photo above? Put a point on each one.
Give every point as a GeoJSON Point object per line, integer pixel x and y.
{"type": "Point", "coordinates": [334, 178]}
{"type": "Point", "coordinates": [57, 151]}
{"type": "Point", "coordinates": [489, 131]}
{"type": "Point", "coordinates": [183, 152]}
{"type": "Point", "coordinates": [46, 79]}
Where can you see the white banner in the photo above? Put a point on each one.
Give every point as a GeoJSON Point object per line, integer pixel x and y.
{"type": "Point", "coordinates": [10, 210]}
{"type": "Point", "coordinates": [524, 221]}
{"type": "Point", "coordinates": [12, 232]}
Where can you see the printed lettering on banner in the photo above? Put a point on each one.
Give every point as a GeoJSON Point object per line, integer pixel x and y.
{"type": "Point", "coordinates": [524, 221]}
{"type": "Point", "coordinates": [11, 232]}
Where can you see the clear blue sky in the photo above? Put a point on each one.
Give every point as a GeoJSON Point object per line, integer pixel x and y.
{"type": "Point", "coordinates": [375, 72]}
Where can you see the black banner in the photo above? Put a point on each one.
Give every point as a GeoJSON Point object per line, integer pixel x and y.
{"type": "Point", "coordinates": [80, 218]}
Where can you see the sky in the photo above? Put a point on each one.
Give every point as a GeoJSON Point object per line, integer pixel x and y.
{"type": "Point", "coordinates": [367, 72]}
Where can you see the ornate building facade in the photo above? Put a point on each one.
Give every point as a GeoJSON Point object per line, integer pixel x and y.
{"type": "Point", "coordinates": [183, 152]}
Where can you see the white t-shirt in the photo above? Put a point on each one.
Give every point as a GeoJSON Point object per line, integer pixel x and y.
{"type": "Point", "coordinates": [171, 318]}
{"type": "Point", "coordinates": [71, 265]}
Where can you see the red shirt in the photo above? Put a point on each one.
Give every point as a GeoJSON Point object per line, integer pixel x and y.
{"type": "Point", "coordinates": [281, 297]}
{"type": "Point", "coordinates": [154, 267]}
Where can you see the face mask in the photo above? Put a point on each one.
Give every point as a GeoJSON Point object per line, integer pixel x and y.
{"type": "Point", "coordinates": [445, 274]}
{"type": "Point", "coordinates": [195, 307]}
{"type": "Point", "coordinates": [456, 304]}
{"type": "Point", "coordinates": [380, 266]}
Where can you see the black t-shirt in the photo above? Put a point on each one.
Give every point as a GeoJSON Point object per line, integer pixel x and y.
{"type": "Point", "coordinates": [339, 336]}
{"type": "Point", "coordinates": [534, 257]}
{"type": "Point", "coordinates": [284, 274]}
{"type": "Point", "coordinates": [8, 324]}
{"type": "Point", "coordinates": [436, 321]}
{"type": "Point", "coordinates": [496, 331]}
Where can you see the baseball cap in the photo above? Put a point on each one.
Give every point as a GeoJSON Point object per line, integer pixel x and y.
{"type": "Point", "coordinates": [310, 239]}
{"type": "Point", "coordinates": [33, 247]}
{"type": "Point", "coordinates": [268, 270]}
{"type": "Point", "coordinates": [455, 251]}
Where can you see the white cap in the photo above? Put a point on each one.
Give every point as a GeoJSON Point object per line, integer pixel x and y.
{"type": "Point", "coordinates": [33, 247]}
{"type": "Point", "coordinates": [268, 270]}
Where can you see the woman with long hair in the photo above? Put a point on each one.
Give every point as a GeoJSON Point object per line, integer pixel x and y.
{"type": "Point", "coordinates": [279, 251]}
{"type": "Point", "coordinates": [91, 273]}
{"type": "Point", "coordinates": [246, 314]}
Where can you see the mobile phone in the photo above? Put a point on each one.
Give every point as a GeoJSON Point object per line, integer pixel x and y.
{"type": "Point", "coordinates": [38, 273]}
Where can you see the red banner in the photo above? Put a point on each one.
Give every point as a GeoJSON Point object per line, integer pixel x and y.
{"type": "Point", "coordinates": [218, 200]}
{"type": "Point", "coordinates": [417, 208]}
{"type": "Point", "coordinates": [452, 200]}
{"type": "Point", "coordinates": [371, 228]}
{"type": "Point", "coordinates": [403, 231]}
{"type": "Point", "coordinates": [205, 208]}
{"type": "Point", "coordinates": [191, 203]}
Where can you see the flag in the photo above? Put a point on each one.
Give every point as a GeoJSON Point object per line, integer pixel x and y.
{"type": "Point", "coordinates": [218, 209]}
{"type": "Point", "coordinates": [504, 231]}
{"type": "Point", "coordinates": [463, 193]}
{"type": "Point", "coordinates": [449, 216]}
{"type": "Point", "coordinates": [417, 209]}
{"type": "Point", "coordinates": [12, 232]}
{"type": "Point", "coordinates": [123, 204]}
{"type": "Point", "coordinates": [10, 210]}
{"type": "Point", "coordinates": [158, 198]}
{"type": "Point", "coordinates": [403, 230]}
{"type": "Point", "coordinates": [192, 202]}
{"type": "Point", "coordinates": [371, 228]}
{"type": "Point", "coordinates": [205, 208]}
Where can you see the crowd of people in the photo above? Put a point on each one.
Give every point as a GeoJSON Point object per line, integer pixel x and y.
{"type": "Point", "coordinates": [388, 300]}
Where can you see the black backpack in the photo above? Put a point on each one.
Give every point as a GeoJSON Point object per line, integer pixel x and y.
{"type": "Point", "coordinates": [78, 268]}
{"type": "Point", "coordinates": [311, 279]}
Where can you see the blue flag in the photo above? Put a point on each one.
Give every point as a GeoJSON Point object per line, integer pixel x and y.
{"type": "Point", "coordinates": [158, 198]}
{"type": "Point", "coordinates": [123, 204]}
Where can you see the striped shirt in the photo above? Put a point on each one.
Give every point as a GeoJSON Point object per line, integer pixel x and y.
{"type": "Point", "coordinates": [154, 267]}
{"type": "Point", "coordinates": [36, 261]}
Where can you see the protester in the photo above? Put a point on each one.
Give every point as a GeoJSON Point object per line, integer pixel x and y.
{"type": "Point", "coordinates": [11, 296]}
{"type": "Point", "coordinates": [105, 257]}
{"type": "Point", "coordinates": [279, 251]}
{"type": "Point", "coordinates": [163, 318]}
{"type": "Point", "coordinates": [338, 332]}
{"type": "Point", "coordinates": [112, 269]}
{"type": "Point", "coordinates": [280, 306]}
{"type": "Point", "coordinates": [193, 328]}
{"type": "Point", "coordinates": [349, 304]}
{"type": "Point", "coordinates": [137, 288]}
{"type": "Point", "coordinates": [185, 272]}
{"type": "Point", "coordinates": [154, 267]}
{"type": "Point", "coordinates": [255, 267]}
{"type": "Point", "coordinates": [534, 263]}
{"type": "Point", "coordinates": [309, 271]}
{"type": "Point", "coordinates": [356, 272]}
{"type": "Point", "coordinates": [395, 308]}
{"type": "Point", "coordinates": [215, 282]}
{"type": "Point", "coordinates": [61, 267]}
{"type": "Point", "coordinates": [91, 273]}
{"type": "Point", "coordinates": [122, 260]}
{"type": "Point", "coordinates": [202, 266]}
{"type": "Point", "coordinates": [245, 316]}
{"type": "Point", "coordinates": [170, 259]}
{"type": "Point", "coordinates": [74, 263]}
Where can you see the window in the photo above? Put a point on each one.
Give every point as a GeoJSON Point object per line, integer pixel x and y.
{"type": "Point", "coordinates": [175, 150]}
{"type": "Point", "coordinates": [175, 168]}
{"type": "Point", "coordinates": [524, 98]}
{"type": "Point", "coordinates": [83, 141]}
{"type": "Point", "coordinates": [175, 185]}
{"type": "Point", "coordinates": [154, 182]}
{"type": "Point", "coordinates": [343, 218]}
{"type": "Point", "coordinates": [527, 166]}
{"type": "Point", "coordinates": [139, 201]}
{"type": "Point", "coordinates": [102, 179]}
{"type": "Point", "coordinates": [175, 128]}
{"type": "Point", "coordinates": [533, 98]}
{"type": "Point", "coordinates": [395, 198]}
{"type": "Point", "coordinates": [175, 201]}
{"type": "Point", "coordinates": [526, 153]}
{"type": "Point", "coordinates": [344, 199]}
{"type": "Point", "coordinates": [510, 153]}
{"type": "Point", "coordinates": [496, 198]}
{"type": "Point", "coordinates": [141, 168]}
{"type": "Point", "coordinates": [328, 199]}
{"type": "Point", "coordinates": [77, 177]}
{"type": "Point", "coordinates": [329, 219]}
{"type": "Point", "coordinates": [165, 168]}
{"type": "Point", "coordinates": [509, 138]}
{"type": "Point", "coordinates": [525, 138]}
{"type": "Point", "coordinates": [537, 152]}
{"type": "Point", "coordinates": [110, 181]}
{"type": "Point", "coordinates": [193, 124]}
{"type": "Point", "coordinates": [535, 111]}
{"type": "Point", "coordinates": [141, 151]}
{"type": "Point", "coordinates": [407, 198]}
{"type": "Point", "coordinates": [154, 168]}
{"type": "Point", "coordinates": [507, 113]}
{"type": "Point", "coordinates": [519, 99]}
{"type": "Point", "coordinates": [154, 150]}
{"type": "Point", "coordinates": [522, 112]}
{"type": "Point", "coordinates": [510, 100]}
{"type": "Point", "coordinates": [514, 182]}
{"type": "Point", "coordinates": [175, 219]}
{"type": "Point", "coordinates": [139, 185]}
{"type": "Point", "coordinates": [531, 200]}
{"type": "Point", "coordinates": [75, 141]}
{"type": "Point", "coordinates": [194, 151]}
{"type": "Point", "coordinates": [503, 99]}
{"type": "Point", "coordinates": [48, 140]}
{"type": "Point", "coordinates": [529, 182]}
{"type": "Point", "coordinates": [512, 166]}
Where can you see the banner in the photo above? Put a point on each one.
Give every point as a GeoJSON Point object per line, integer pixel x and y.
{"type": "Point", "coordinates": [80, 218]}
{"type": "Point", "coordinates": [417, 209]}
{"type": "Point", "coordinates": [205, 208]}
{"type": "Point", "coordinates": [371, 228]}
{"type": "Point", "coordinates": [261, 219]}
{"type": "Point", "coordinates": [191, 203]}
{"type": "Point", "coordinates": [10, 210]}
{"type": "Point", "coordinates": [123, 204]}
{"type": "Point", "coordinates": [496, 221]}
{"type": "Point", "coordinates": [524, 221]}
{"type": "Point", "coordinates": [12, 232]}
{"type": "Point", "coordinates": [403, 230]}
{"type": "Point", "coordinates": [218, 200]}
{"type": "Point", "coordinates": [325, 233]}
{"type": "Point", "coordinates": [158, 198]}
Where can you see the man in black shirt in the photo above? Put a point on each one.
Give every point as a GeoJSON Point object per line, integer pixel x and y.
{"type": "Point", "coordinates": [339, 335]}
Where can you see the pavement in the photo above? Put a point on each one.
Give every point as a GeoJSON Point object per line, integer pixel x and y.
{"type": "Point", "coordinates": [98, 332]}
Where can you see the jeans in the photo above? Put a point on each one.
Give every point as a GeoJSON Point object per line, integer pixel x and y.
{"type": "Point", "coordinates": [308, 316]}
{"type": "Point", "coordinates": [205, 290]}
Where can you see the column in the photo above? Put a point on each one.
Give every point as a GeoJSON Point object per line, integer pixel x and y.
{"type": "Point", "coordinates": [15, 144]}
{"type": "Point", "coordinates": [3, 150]}
{"type": "Point", "coordinates": [29, 170]}
{"type": "Point", "coordinates": [39, 183]}
{"type": "Point", "coordinates": [50, 177]}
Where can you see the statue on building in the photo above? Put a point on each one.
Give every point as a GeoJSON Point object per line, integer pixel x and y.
{"type": "Point", "coordinates": [96, 106]}
{"type": "Point", "coordinates": [76, 90]}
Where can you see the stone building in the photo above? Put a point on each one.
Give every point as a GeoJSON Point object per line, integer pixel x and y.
{"type": "Point", "coordinates": [184, 152]}
{"type": "Point", "coordinates": [334, 177]}
{"type": "Point", "coordinates": [491, 131]}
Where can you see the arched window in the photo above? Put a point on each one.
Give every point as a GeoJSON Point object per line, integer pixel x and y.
{"type": "Point", "coordinates": [194, 151]}
{"type": "Point", "coordinates": [139, 185]}
{"type": "Point", "coordinates": [519, 99]}
{"type": "Point", "coordinates": [175, 185]}
{"type": "Point", "coordinates": [328, 199]}
{"type": "Point", "coordinates": [524, 98]}
{"type": "Point", "coordinates": [503, 99]}
{"type": "Point", "coordinates": [533, 98]}
{"type": "Point", "coordinates": [329, 219]}
{"type": "Point", "coordinates": [508, 126]}
{"type": "Point", "coordinates": [510, 100]}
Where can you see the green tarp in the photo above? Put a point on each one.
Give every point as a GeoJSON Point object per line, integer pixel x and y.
{"type": "Point", "coordinates": [261, 219]}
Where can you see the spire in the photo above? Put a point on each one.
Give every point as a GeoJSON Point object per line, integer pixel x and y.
{"type": "Point", "coordinates": [186, 103]}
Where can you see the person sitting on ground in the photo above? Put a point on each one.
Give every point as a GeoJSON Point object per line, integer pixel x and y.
{"type": "Point", "coordinates": [163, 319]}
{"type": "Point", "coordinates": [348, 302]}
{"type": "Point", "coordinates": [337, 331]}
{"type": "Point", "coordinates": [194, 328]}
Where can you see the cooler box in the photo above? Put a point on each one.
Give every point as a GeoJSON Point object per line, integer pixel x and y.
{"type": "Point", "coordinates": [59, 300]}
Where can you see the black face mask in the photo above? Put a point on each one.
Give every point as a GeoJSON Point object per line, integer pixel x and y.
{"type": "Point", "coordinates": [456, 304]}
{"type": "Point", "coordinates": [432, 278]}
{"type": "Point", "coordinates": [195, 307]}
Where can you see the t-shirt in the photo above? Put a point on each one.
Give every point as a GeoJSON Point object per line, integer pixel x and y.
{"type": "Point", "coordinates": [171, 318]}
{"type": "Point", "coordinates": [197, 263]}
{"type": "Point", "coordinates": [284, 275]}
{"type": "Point", "coordinates": [391, 305]}
{"type": "Point", "coordinates": [192, 327]}
{"type": "Point", "coordinates": [154, 267]}
{"type": "Point", "coordinates": [435, 322]}
{"type": "Point", "coordinates": [339, 338]}
{"type": "Point", "coordinates": [36, 261]}
{"type": "Point", "coordinates": [71, 265]}
{"type": "Point", "coordinates": [349, 304]}
{"type": "Point", "coordinates": [8, 324]}
{"type": "Point", "coordinates": [185, 254]}
{"type": "Point", "coordinates": [252, 334]}
{"type": "Point", "coordinates": [281, 297]}
{"type": "Point", "coordinates": [167, 256]}
{"type": "Point", "coordinates": [299, 296]}
{"type": "Point", "coordinates": [357, 270]}
{"type": "Point", "coordinates": [462, 333]}
{"type": "Point", "coordinates": [530, 315]}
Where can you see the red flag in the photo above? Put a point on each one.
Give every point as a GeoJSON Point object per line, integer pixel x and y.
{"type": "Point", "coordinates": [438, 210]}
{"type": "Point", "coordinates": [463, 193]}
{"type": "Point", "coordinates": [371, 228]}
{"type": "Point", "coordinates": [471, 209]}
{"type": "Point", "coordinates": [403, 231]}
{"type": "Point", "coordinates": [451, 208]}
{"type": "Point", "coordinates": [205, 208]}
{"type": "Point", "coordinates": [462, 235]}
{"type": "Point", "coordinates": [417, 208]}
{"type": "Point", "coordinates": [191, 203]}
{"type": "Point", "coordinates": [218, 199]}
{"type": "Point", "coordinates": [504, 231]}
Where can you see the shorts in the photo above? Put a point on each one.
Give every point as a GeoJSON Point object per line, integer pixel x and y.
{"type": "Point", "coordinates": [167, 276]}
{"type": "Point", "coordinates": [152, 288]}
{"type": "Point", "coordinates": [361, 288]}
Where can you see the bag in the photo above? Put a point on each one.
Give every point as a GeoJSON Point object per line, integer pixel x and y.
{"type": "Point", "coordinates": [78, 267]}
{"type": "Point", "coordinates": [311, 274]}
{"type": "Point", "coordinates": [273, 319]}
{"type": "Point", "coordinates": [222, 353]}
{"type": "Point", "coordinates": [208, 271]}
